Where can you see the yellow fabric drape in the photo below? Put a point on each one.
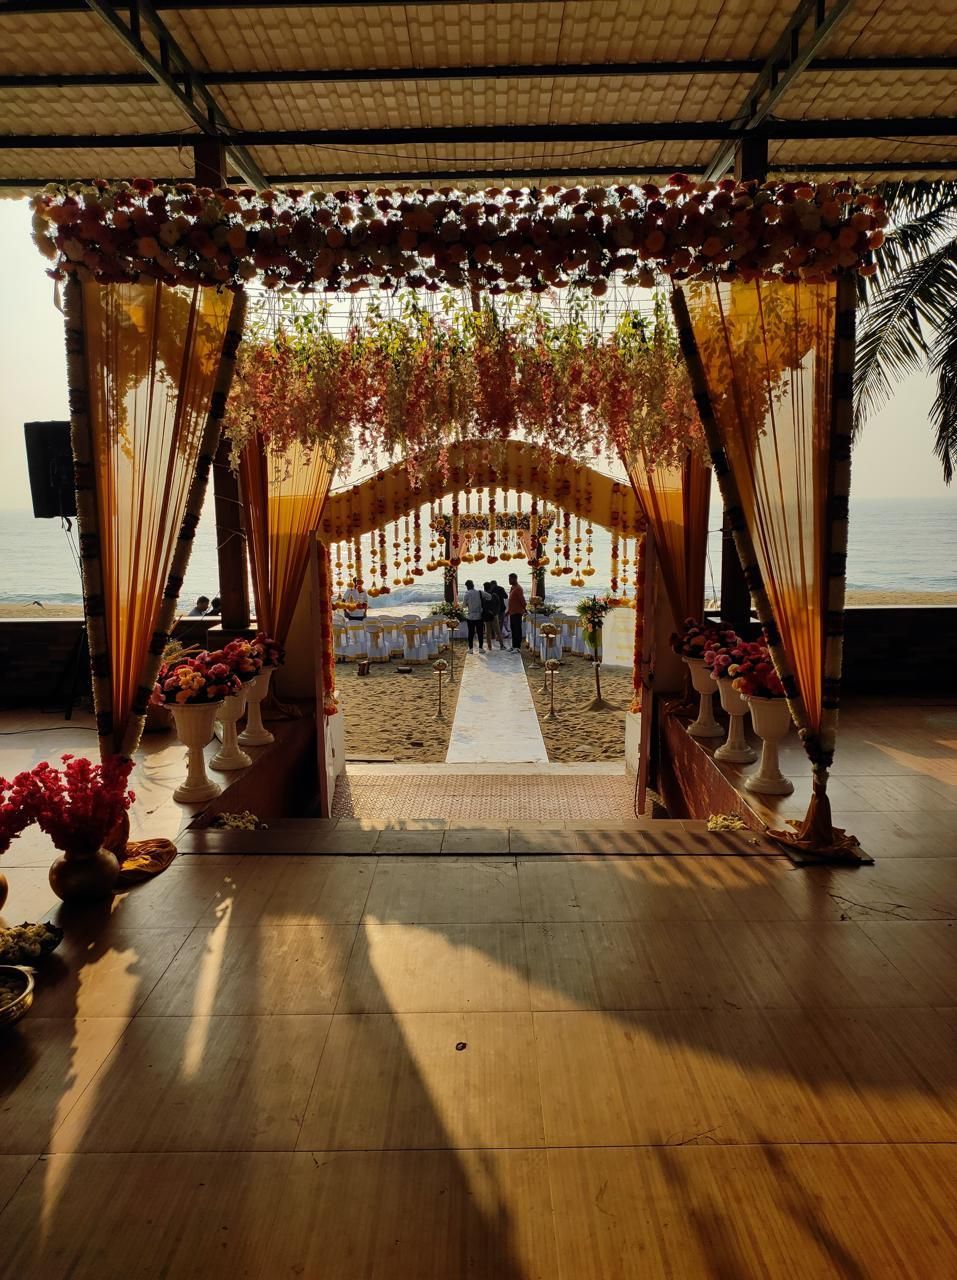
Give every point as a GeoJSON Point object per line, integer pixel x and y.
{"type": "Point", "coordinates": [152, 355]}
{"type": "Point", "coordinates": [675, 501]}
{"type": "Point", "coordinates": [283, 494]}
{"type": "Point", "coordinates": [767, 351]}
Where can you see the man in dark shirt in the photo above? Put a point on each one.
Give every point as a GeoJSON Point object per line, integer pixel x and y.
{"type": "Point", "coordinates": [516, 611]}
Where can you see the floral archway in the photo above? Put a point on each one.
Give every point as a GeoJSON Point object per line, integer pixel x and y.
{"type": "Point", "coordinates": [502, 241]}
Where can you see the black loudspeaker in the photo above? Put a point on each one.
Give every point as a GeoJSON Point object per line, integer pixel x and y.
{"type": "Point", "coordinates": [50, 464]}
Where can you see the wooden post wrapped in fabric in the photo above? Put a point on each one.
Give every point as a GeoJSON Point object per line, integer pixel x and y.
{"type": "Point", "coordinates": [771, 363]}
{"type": "Point", "coordinates": [149, 368]}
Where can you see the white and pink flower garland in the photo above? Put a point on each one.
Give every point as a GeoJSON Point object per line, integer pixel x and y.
{"type": "Point", "coordinates": [499, 239]}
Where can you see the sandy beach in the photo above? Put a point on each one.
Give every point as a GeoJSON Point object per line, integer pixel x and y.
{"type": "Point", "coordinates": [578, 733]}
{"type": "Point", "coordinates": [391, 716]}
{"type": "Point", "coordinates": [855, 598]}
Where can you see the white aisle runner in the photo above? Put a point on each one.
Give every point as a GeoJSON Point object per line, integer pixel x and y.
{"type": "Point", "coordinates": [495, 720]}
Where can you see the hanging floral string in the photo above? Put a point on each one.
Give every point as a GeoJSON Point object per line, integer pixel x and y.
{"type": "Point", "coordinates": [417, 543]}
{"type": "Point", "coordinates": [636, 671]}
{"type": "Point", "coordinates": [614, 564]}
{"type": "Point", "coordinates": [384, 588]}
{"type": "Point", "coordinates": [492, 553]}
{"type": "Point", "coordinates": [358, 563]}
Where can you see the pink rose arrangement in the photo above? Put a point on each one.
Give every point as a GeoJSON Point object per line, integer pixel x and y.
{"type": "Point", "coordinates": [696, 638]}
{"type": "Point", "coordinates": [191, 678]}
{"type": "Point", "coordinates": [753, 673]}
{"type": "Point", "coordinates": [271, 651]}
{"type": "Point", "coordinates": [79, 805]}
{"type": "Point", "coordinates": [243, 658]}
{"type": "Point", "coordinates": [719, 657]}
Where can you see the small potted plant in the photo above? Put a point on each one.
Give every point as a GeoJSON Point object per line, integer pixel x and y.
{"type": "Point", "coordinates": [78, 807]}
{"type": "Point", "coordinates": [194, 687]}
{"type": "Point", "coordinates": [272, 655]}
{"type": "Point", "coordinates": [690, 643]}
{"type": "Point", "coordinates": [719, 658]}
{"type": "Point", "coordinates": [755, 678]}
{"type": "Point", "coordinates": [245, 660]}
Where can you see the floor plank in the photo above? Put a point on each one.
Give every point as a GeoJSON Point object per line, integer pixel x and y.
{"type": "Point", "coordinates": [200, 1084]}
{"type": "Point", "coordinates": [752, 1213]}
{"type": "Point", "coordinates": [426, 1080]}
{"type": "Point", "coordinates": [397, 968]}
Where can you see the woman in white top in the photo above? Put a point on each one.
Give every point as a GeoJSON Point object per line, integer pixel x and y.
{"type": "Point", "coordinates": [356, 602]}
{"type": "Point", "coordinates": [475, 603]}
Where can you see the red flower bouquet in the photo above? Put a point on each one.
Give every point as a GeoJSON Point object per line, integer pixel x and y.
{"type": "Point", "coordinates": [243, 658]}
{"type": "Point", "coordinates": [202, 677]}
{"type": "Point", "coordinates": [80, 805]}
{"type": "Point", "coordinates": [271, 651]}
{"type": "Point", "coordinates": [18, 807]}
{"type": "Point", "coordinates": [753, 675]}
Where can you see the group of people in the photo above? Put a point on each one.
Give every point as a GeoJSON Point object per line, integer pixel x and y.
{"type": "Point", "coordinates": [205, 608]}
{"type": "Point", "coordinates": [491, 613]}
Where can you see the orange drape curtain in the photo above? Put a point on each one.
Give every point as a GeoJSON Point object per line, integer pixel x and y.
{"type": "Point", "coordinates": [767, 352]}
{"type": "Point", "coordinates": [283, 494]}
{"type": "Point", "coordinates": [675, 501]}
{"type": "Point", "coordinates": [152, 355]}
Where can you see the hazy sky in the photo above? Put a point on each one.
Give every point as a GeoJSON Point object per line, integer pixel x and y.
{"type": "Point", "coordinates": [894, 457]}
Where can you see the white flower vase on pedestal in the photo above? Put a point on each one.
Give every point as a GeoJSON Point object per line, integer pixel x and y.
{"type": "Point", "coordinates": [194, 728]}
{"type": "Point", "coordinates": [256, 734]}
{"type": "Point", "coordinates": [736, 749]}
{"type": "Point", "coordinates": [231, 755]}
{"type": "Point", "coordinates": [705, 726]}
{"type": "Point", "coordinates": [772, 720]}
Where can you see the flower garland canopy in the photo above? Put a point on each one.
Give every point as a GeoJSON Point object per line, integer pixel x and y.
{"type": "Point", "coordinates": [498, 239]}
{"type": "Point", "coordinates": [413, 382]}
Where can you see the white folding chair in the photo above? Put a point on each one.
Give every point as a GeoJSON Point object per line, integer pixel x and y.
{"type": "Point", "coordinates": [378, 647]}
{"type": "Point", "coordinates": [415, 648]}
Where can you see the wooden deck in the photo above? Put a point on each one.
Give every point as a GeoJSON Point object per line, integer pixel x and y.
{"type": "Point", "coordinates": [529, 1056]}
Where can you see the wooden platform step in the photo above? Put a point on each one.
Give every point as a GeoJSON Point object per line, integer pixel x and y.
{"type": "Point", "coordinates": [429, 837]}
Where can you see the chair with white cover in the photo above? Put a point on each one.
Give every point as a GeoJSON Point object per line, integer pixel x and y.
{"type": "Point", "coordinates": [376, 637]}
{"type": "Point", "coordinates": [565, 623]}
{"type": "Point", "coordinates": [357, 642]}
{"type": "Point", "coordinates": [416, 650]}
{"type": "Point", "coordinates": [578, 638]}
{"type": "Point", "coordinates": [394, 639]}
{"type": "Point", "coordinates": [550, 646]}
{"type": "Point", "coordinates": [340, 639]}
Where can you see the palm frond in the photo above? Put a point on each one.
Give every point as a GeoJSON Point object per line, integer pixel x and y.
{"type": "Point", "coordinates": [895, 332]}
{"type": "Point", "coordinates": [943, 412]}
{"type": "Point", "coordinates": [922, 214]}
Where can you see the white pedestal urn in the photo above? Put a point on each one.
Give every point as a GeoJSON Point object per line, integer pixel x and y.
{"type": "Point", "coordinates": [231, 755]}
{"type": "Point", "coordinates": [772, 720]}
{"type": "Point", "coordinates": [736, 749]}
{"type": "Point", "coordinates": [256, 734]}
{"type": "Point", "coordinates": [194, 728]}
{"type": "Point", "coordinates": [705, 726]}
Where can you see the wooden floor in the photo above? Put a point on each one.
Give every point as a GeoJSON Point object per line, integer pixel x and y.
{"type": "Point", "coordinates": [512, 1067]}
{"type": "Point", "coordinates": [531, 1055]}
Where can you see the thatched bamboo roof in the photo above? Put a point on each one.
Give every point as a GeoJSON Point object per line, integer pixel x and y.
{"type": "Point", "coordinates": [323, 94]}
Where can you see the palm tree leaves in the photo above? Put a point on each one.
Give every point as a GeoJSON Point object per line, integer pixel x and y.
{"type": "Point", "coordinates": [908, 310]}
{"type": "Point", "coordinates": [943, 412]}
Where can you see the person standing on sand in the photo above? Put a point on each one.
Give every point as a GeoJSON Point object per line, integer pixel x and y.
{"type": "Point", "coordinates": [492, 617]}
{"type": "Point", "coordinates": [516, 611]}
{"type": "Point", "coordinates": [475, 603]}
{"type": "Point", "coordinates": [501, 597]}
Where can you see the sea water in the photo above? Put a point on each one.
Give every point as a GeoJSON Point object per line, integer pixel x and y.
{"type": "Point", "coordinates": [896, 545]}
